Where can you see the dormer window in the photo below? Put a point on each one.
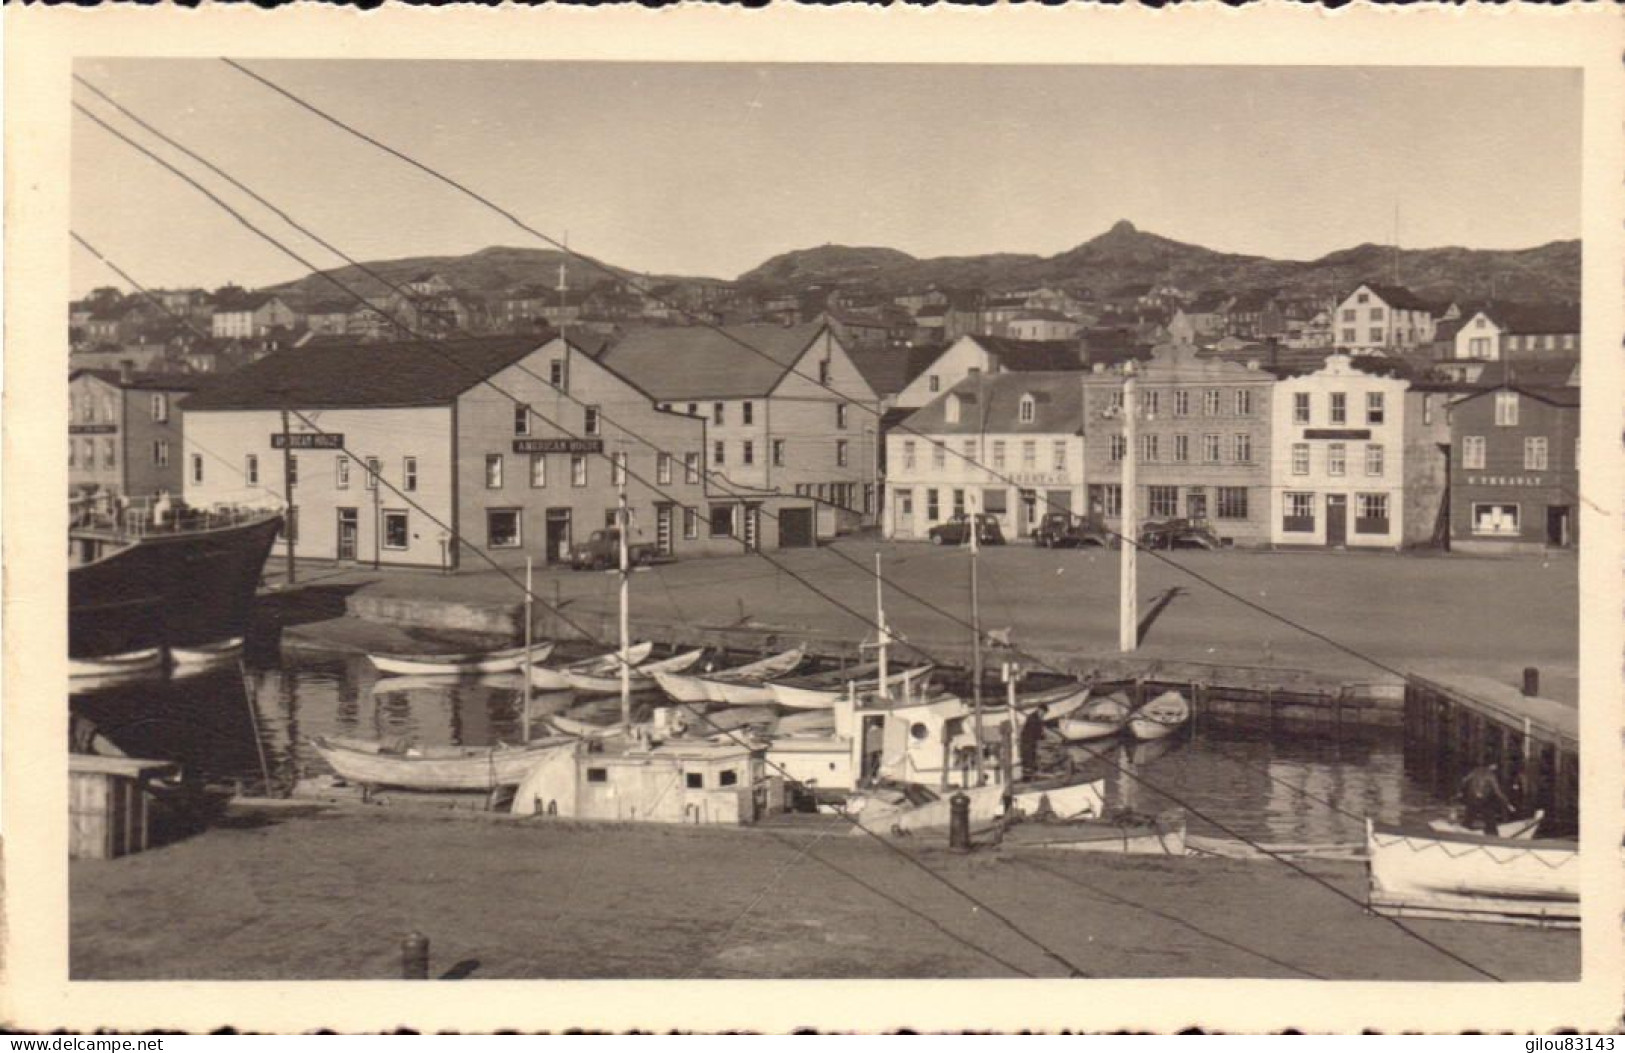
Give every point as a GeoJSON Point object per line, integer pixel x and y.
{"type": "Point", "coordinates": [952, 409]}
{"type": "Point", "coordinates": [1028, 410]}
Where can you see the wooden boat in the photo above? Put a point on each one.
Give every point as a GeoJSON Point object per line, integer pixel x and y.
{"type": "Point", "coordinates": [1511, 830]}
{"type": "Point", "coordinates": [1160, 717]}
{"type": "Point", "coordinates": [744, 685]}
{"type": "Point", "coordinates": [1164, 836]}
{"type": "Point", "coordinates": [548, 678]}
{"type": "Point", "coordinates": [823, 690]}
{"type": "Point", "coordinates": [435, 768]}
{"type": "Point", "coordinates": [608, 681]}
{"type": "Point", "coordinates": [503, 661]}
{"type": "Point", "coordinates": [886, 814]}
{"type": "Point", "coordinates": [1078, 801]}
{"type": "Point", "coordinates": [1098, 719]}
{"type": "Point", "coordinates": [1056, 702]}
{"type": "Point", "coordinates": [145, 660]}
{"type": "Point", "coordinates": [1467, 876]}
{"type": "Point", "coordinates": [190, 659]}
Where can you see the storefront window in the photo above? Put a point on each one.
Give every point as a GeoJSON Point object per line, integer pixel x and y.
{"type": "Point", "coordinates": [1495, 520]}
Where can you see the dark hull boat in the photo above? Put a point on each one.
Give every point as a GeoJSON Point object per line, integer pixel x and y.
{"type": "Point", "coordinates": [186, 583]}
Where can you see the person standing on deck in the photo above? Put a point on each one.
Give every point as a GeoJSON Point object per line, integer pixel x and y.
{"type": "Point", "coordinates": [1032, 733]}
{"type": "Point", "coordinates": [1486, 803]}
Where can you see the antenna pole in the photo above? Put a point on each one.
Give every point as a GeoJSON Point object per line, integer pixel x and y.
{"type": "Point", "coordinates": [287, 489]}
{"type": "Point", "coordinates": [1128, 601]}
{"type": "Point", "coordinates": [626, 578]}
{"type": "Point", "coordinates": [885, 633]}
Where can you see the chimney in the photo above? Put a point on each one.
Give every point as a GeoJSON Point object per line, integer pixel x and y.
{"type": "Point", "coordinates": [1098, 367]}
{"type": "Point", "coordinates": [1252, 365]}
{"type": "Point", "coordinates": [126, 370]}
{"type": "Point", "coordinates": [1531, 681]}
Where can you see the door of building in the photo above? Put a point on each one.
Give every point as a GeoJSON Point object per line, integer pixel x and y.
{"type": "Point", "coordinates": [663, 516]}
{"type": "Point", "coordinates": [349, 531]}
{"type": "Point", "coordinates": [558, 535]}
{"type": "Point", "coordinates": [1196, 505]}
{"type": "Point", "coordinates": [903, 518]}
{"type": "Point", "coordinates": [1027, 514]}
{"type": "Point", "coordinates": [1337, 515]}
{"type": "Point", "coordinates": [753, 527]}
{"type": "Point", "coordinates": [796, 528]}
{"type": "Point", "coordinates": [1557, 526]}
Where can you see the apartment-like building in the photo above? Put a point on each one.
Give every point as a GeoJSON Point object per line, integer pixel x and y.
{"type": "Point", "coordinates": [1375, 319]}
{"type": "Point", "coordinates": [125, 434]}
{"type": "Point", "coordinates": [1515, 479]}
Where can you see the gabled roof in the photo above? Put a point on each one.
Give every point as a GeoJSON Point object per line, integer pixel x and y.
{"type": "Point", "coordinates": [1535, 318]}
{"type": "Point", "coordinates": [890, 370]}
{"type": "Point", "coordinates": [993, 404]}
{"type": "Point", "coordinates": [1445, 332]}
{"type": "Point", "coordinates": [1553, 394]}
{"type": "Point", "coordinates": [694, 362]}
{"type": "Point", "coordinates": [1397, 296]}
{"type": "Point", "coordinates": [147, 381]}
{"type": "Point", "coordinates": [349, 374]}
{"type": "Point", "coordinates": [1027, 356]}
{"type": "Point", "coordinates": [1254, 300]}
{"type": "Point", "coordinates": [1533, 370]}
{"type": "Point", "coordinates": [1042, 314]}
{"type": "Point", "coordinates": [246, 302]}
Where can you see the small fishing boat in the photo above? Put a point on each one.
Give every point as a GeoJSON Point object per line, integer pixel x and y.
{"type": "Point", "coordinates": [434, 768]}
{"type": "Point", "coordinates": [823, 690]}
{"type": "Point", "coordinates": [145, 660]}
{"type": "Point", "coordinates": [1097, 719]}
{"type": "Point", "coordinates": [1078, 801]}
{"type": "Point", "coordinates": [642, 678]}
{"type": "Point", "coordinates": [744, 685]}
{"type": "Point", "coordinates": [206, 656]}
{"type": "Point", "coordinates": [1511, 830]}
{"type": "Point", "coordinates": [1162, 836]}
{"type": "Point", "coordinates": [1470, 876]}
{"type": "Point", "coordinates": [1056, 702]}
{"type": "Point", "coordinates": [892, 813]}
{"type": "Point", "coordinates": [503, 661]}
{"type": "Point", "coordinates": [1160, 717]}
{"type": "Point", "coordinates": [548, 678]}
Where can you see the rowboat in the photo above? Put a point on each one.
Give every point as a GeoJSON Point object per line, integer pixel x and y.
{"type": "Point", "coordinates": [1468, 876]}
{"type": "Point", "coordinates": [1055, 702]}
{"type": "Point", "coordinates": [581, 729]}
{"type": "Point", "coordinates": [642, 678]}
{"type": "Point", "coordinates": [744, 685]}
{"type": "Point", "coordinates": [1160, 717]}
{"type": "Point", "coordinates": [144, 660]}
{"type": "Point", "coordinates": [188, 659]}
{"type": "Point", "coordinates": [435, 768]}
{"type": "Point", "coordinates": [502, 661]}
{"type": "Point", "coordinates": [1081, 800]}
{"type": "Point", "coordinates": [823, 690]}
{"type": "Point", "coordinates": [1511, 830]}
{"type": "Point", "coordinates": [547, 678]}
{"type": "Point", "coordinates": [1163, 836]}
{"type": "Point", "coordinates": [1099, 718]}
{"type": "Point", "coordinates": [879, 815]}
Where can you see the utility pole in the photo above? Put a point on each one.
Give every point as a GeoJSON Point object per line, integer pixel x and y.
{"type": "Point", "coordinates": [626, 578]}
{"type": "Point", "coordinates": [377, 514]}
{"type": "Point", "coordinates": [524, 696]}
{"type": "Point", "coordinates": [288, 524]}
{"type": "Point", "coordinates": [1128, 601]}
{"type": "Point", "coordinates": [976, 642]}
{"type": "Point", "coordinates": [885, 633]}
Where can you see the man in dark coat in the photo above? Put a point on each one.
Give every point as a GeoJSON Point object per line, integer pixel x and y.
{"type": "Point", "coordinates": [1486, 803]}
{"type": "Point", "coordinates": [1032, 733]}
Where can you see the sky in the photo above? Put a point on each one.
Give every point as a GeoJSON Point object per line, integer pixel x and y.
{"type": "Point", "coordinates": [711, 169]}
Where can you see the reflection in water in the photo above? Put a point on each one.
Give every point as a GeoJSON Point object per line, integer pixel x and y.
{"type": "Point", "coordinates": [1261, 785]}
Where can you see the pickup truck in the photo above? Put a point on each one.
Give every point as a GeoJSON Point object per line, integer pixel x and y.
{"type": "Point", "coordinates": [603, 549]}
{"type": "Point", "coordinates": [1064, 530]}
{"type": "Point", "coordinates": [1179, 533]}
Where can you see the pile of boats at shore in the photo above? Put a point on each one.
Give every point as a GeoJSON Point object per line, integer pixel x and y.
{"type": "Point", "coordinates": [891, 750]}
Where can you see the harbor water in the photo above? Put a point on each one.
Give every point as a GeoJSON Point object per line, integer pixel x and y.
{"type": "Point", "coordinates": [251, 724]}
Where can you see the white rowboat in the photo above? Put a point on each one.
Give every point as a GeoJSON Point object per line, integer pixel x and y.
{"type": "Point", "coordinates": [436, 768]}
{"type": "Point", "coordinates": [1080, 801]}
{"type": "Point", "coordinates": [743, 685]}
{"type": "Point", "coordinates": [1160, 717]}
{"type": "Point", "coordinates": [502, 661]}
{"type": "Point", "coordinates": [547, 678]}
{"type": "Point", "coordinates": [207, 655]}
{"type": "Point", "coordinates": [1465, 876]}
{"type": "Point", "coordinates": [608, 682]}
{"type": "Point", "coordinates": [1511, 830]}
{"type": "Point", "coordinates": [1099, 719]}
{"type": "Point", "coordinates": [824, 690]}
{"type": "Point", "coordinates": [116, 664]}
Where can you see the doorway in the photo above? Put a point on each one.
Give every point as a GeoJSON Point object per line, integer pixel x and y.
{"type": "Point", "coordinates": [903, 518]}
{"type": "Point", "coordinates": [663, 524]}
{"type": "Point", "coordinates": [1337, 520]}
{"type": "Point", "coordinates": [1558, 527]}
{"type": "Point", "coordinates": [349, 532]}
{"type": "Point", "coordinates": [558, 535]}
{"type": "Point", "coordinates": [1196, 504]}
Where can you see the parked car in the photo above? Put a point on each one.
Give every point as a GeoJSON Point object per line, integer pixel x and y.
{"type": "Point", "coordinates": [1179, 533]}
{"type": "Point", "coordinates": [603, 549]}
{"type": "Point", "coordinates": [956, 531]}
{"type": "Point", "coordinates": [1064, 530]}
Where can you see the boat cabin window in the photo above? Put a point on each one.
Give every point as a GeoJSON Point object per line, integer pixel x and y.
{"type": "Point", "coordinates": [919, 731]}
{"type": "Point", "coordinates": [694, 780]}
{"type": "Point", "coordinates": [729, 778]}
{"type": "Point", "coordinates": [597, 774]}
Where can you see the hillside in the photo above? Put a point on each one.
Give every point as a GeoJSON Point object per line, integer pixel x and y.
{"type": "Point", "coordinates": [1124, 255]}
{"type": "Point", "coordinates": [487, 271]}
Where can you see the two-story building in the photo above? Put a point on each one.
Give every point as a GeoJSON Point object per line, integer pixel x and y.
{"type": "Point", "coordinates": [1203, 441]}
{"type": "Point", "coordinates": [787, 409]}
{"type": "Point", "coordinates": [1515, 478]}
{"type": "Point", "coordinates": [1507, 331]}
{"type": "Point", "coordinates": [459, 452]}
{"type": "Point", "coordinates": [1375, 319]}
{"type": "Point", "coordinates": [125, 434]}
{"type": "Point", "coordinates": [1009, 445]}
{"type": "Point", "coordinates": [250, 315]}
{"type": "Point", "coordinates": [987, 355]}
{"type": "Point", "coordinates": [1360, 459]}
{"type": "Point", "coordinates": [1042, 324]}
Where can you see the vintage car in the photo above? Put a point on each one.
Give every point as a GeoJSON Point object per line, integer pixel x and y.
{"type": "Point", "coordinates": [956, 531]}
{"type": "Point", "coordinates": [1179, 533]}
{"type": "Point", "coordinates": [603, 550]}
{"type": "Point", "coordinates": [1064, 530]}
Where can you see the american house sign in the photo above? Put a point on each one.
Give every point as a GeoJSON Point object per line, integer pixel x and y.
{"type": "Point", "coordinates": [92, 429]}
{"type": "Point", "coordinates": [558, 446]}
{"type": "Point", "coordinates": [1038, 478]}
{"type": "Point", "coordinates": [307, 441]}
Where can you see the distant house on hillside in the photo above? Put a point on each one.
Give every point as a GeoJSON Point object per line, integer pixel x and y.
{"type": "Point", "coordinates": [1256, 315]}
{"type": "Point", "coordinates": [1374, 319]}
{"type": "Point", "coordinates": [428, 283]}
{"type": "Point", "coordinates": [1498, 332]}
{"type": "Point", "coordinates": [249, 315]}
{"type": "Point", "coordinates": [988, 355]}
{"type": "Point", "coordinates": [1043, 325]}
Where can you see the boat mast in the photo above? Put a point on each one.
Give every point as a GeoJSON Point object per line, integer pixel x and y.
{"type": "Point", "coordinates": [976, 642]}
{"type": "Point", "coordinates": [287, 488]}
{"type": "Point", "coordinates": [626, 578]}
{"type": "Point", "coordinates": [524, 703]}
{"type": "Point", "coordinates": [885, 634]}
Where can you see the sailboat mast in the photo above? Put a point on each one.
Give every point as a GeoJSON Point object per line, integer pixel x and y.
{"type": "Point", "coordinates": [976, 644]}
{"type": "Point", "coordinates": [524, 699]}
{"type": "Point", "coordinates": [1128, 600]}
{"type": "Point", "coordinates": [885, 633]}
{"type": "Point", "coordinates": [626, 579]}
